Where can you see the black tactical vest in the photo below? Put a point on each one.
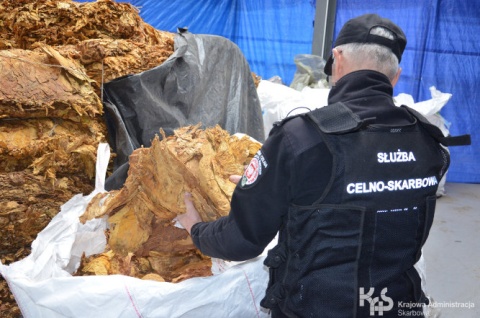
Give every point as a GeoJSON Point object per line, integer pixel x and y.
{"type": "Point", "coordinates": [353, 250]}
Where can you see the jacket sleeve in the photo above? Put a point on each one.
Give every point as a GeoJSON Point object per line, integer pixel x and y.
{"type": "Point", "coordinates": [223, 239]}
{"type": "Point", "coordinates": [259, 203]}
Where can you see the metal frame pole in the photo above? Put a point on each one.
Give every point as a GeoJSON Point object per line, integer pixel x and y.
{"type": "Point", "coordinates": [324, 27]}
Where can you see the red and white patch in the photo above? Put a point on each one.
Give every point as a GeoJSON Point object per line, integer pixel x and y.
{"type": "Point", "coordinates": [254, 170]}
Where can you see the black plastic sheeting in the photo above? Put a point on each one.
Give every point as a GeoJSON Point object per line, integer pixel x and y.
{"type": "Point", "coordinates": [206, 80]}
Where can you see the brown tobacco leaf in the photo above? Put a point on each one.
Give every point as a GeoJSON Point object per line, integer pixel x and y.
{"type": "Point", "coordinates": [192, 160]}
{"type": "Point", "coordinates": [196, 160]}
{"type": "Point", "coordinates": [50, 145]}
{"type": "Point", "coordinates": [28, 203]}
{"type": "Point", "coordinates": [153, 276]}
{"type": "Point", "coordinates": [256, 79]}
{"type": "Point", "coordinates": [67, 22]}
{"type": "Point", "coordinates": [36, 84]}
{"type": "Point", "coordinates": [108, 59]}
{"type": "Point", "coordinates": [8, 306]}
{"type": "Point", "coordinates": [109, 263]}
{"type": "Point", "coordinates": [99, 265]}
{"type": "Point", "coordinates": [130, 228]}
{"type": "Point", "coordinates": [54, 57]}
{"type": "Point", "coordinates": [170, 252]}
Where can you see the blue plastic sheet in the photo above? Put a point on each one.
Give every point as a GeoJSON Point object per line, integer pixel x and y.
{"type": "Point", "coordinates": [442, 51]}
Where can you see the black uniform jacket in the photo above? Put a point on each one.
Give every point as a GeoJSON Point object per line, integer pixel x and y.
{"type": "Point", "coordinates": [292, 167]}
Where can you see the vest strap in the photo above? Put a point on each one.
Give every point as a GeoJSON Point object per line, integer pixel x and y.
{"type": "Point", "coordinates": [337, 119]}
{"type": "Point", "coordinates": [462, 140]}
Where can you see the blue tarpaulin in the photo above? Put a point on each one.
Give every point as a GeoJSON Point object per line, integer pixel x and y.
{"type": "Point", "coordinates": [269, 32]}
{"type": "Point", "coordinates": [442, 51]}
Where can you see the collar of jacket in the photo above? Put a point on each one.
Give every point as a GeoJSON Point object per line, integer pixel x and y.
{"type": "Point", "coordinates": [360, 84]}
{"type": "Point", "coordinates": [369, 94]}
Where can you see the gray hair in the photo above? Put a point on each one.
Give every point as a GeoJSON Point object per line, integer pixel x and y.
{"type": "Point", "coordinates": [372, 56]}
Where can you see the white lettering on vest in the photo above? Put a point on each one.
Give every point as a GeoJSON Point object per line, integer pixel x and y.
{"type": "Point", "coordinates": [391, 185]}
{"type": "Point", "coordinates": [399, 156]}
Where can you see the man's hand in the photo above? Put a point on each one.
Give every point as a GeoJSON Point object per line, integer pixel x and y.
{"type": "Point", "coordinates": [191, 217]}
{"type": "Point", "coordinates": [235, 178]}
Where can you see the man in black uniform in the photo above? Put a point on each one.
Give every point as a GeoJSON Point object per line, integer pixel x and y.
{"type": "Point", "coordinates": [349, 187]}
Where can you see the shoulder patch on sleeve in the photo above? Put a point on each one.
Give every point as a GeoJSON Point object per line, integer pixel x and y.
{"type": "Point", "coordinates": [254, 171]}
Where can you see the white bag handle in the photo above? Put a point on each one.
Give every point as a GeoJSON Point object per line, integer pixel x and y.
{"type": "Point", "coordinates": [103, 156]}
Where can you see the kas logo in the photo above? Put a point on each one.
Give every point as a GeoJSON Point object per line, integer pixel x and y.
{"type": "Point", "coordinates": [376, 305]}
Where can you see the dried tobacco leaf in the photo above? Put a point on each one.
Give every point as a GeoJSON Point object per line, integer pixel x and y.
{"type": "Point", "coordinates": [192, 160]}
{"type": "Point", "coordinates": [54, 57]}
{"type": "Point", "coordinates": [34, 84]}
{"type": "Point", "coordinates": [50, 145]}
{"type": "Point", "coordinates": [196, 160]}
{"type": "Point", "coordinates": [108, 59]}
{"type": "Point", "coordinates": [67, 22]}
{"type": "Point", "coordinates": [28, 203]}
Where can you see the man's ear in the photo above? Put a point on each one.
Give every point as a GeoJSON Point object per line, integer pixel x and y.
{"type": "Point", "coordinates": [337, 64]}
{"type": "Point", "coordinates": [337, 55]}
{"type": "Point", "coordinates": [397, 76]}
